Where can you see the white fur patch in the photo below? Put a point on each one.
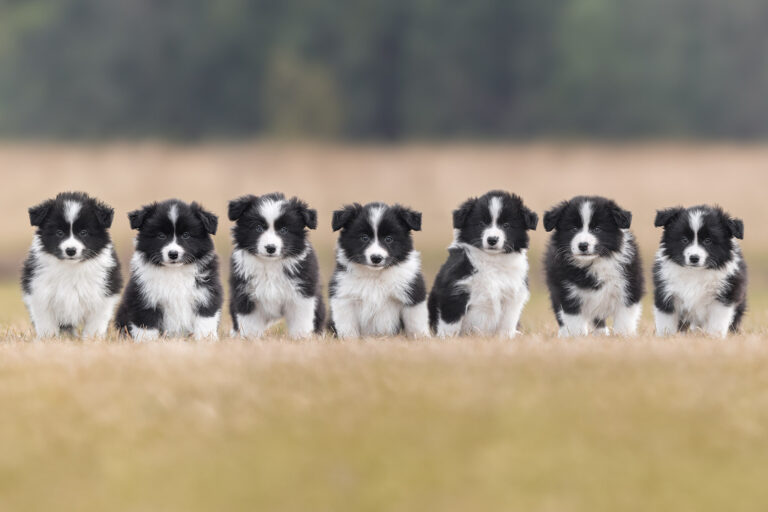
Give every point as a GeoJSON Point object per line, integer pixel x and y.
{"type": "Point", "coordinates": [695, 251]}
{"type": "Point", "coordinates": [376, 249]}
{"type": "Point", "coordinates": [584, 236]}
{"type": "Point", "coordinates": [493, 232]}
{"type": "Point", "coordinates": [271, 211]}
{"type": "Point", "coordinates": [72, 211]}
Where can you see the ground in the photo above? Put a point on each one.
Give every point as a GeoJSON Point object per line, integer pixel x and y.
{"type": "Point", "coordinates": [534, 424]}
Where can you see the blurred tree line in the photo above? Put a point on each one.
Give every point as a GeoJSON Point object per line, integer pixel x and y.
{"type": "Point", "coordinates": [383, 69]}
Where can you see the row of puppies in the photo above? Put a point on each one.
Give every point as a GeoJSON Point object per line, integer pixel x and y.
{"type": "Point", "coordinates": [72, 278]}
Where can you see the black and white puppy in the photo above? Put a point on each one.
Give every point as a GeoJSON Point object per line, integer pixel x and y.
{"type": "Point", "coordinates": [699, 273]}
{"type": "Point", "coordinates": [71, 276]}
{"type": "Point", "coordinates": [482, 287]}
{"type": "Point", "coordinates": [593, 267]}
{"type": "Point", "coordinates": [274, 270]}
{"type": "Point", "coordinates": [377, 287]}
{"type": "Point", "coordinates": [174, 288]}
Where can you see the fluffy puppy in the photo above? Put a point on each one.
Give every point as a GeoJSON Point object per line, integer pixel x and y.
{"type": "Point", "coordinates": [274, 271]}
{"type": "Point", "coordinates": [482, 287]}
{"type": "Point", "coordinates": [377, 287]}
{"type": "Point", "coordinates": [700, 276]}
{"type": "Point", "coordinates": [174, 288]}
{"type": "Point", "coordinates": [71, 276]}
{"type": "Point", "coordinates": [593, 267]}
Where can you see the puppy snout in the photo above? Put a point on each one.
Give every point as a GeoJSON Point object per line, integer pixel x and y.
{"type": "Point", "coordinates": [271, 249]}
{"type": "Point", "coordinates": [173, 255]}
{"type": "Point", "coordinates": [694, 259]}
{"type": "Point", "coordinates": [376, 259]}
{"type": "Point", "coordinates": [70, 251]}
{"type": "Point", "coordinates": [492, 240]}
{"type": "Point", "coordinates": [583, 246]}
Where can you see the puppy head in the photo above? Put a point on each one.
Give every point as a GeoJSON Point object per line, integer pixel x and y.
{"type": "Point", "coordinates": [173, 233]}
{"type": "Point", "coordinates": [497, 223]}
{"type": "Point", "coordinates": [271, 226]}
{"type": "Point", "coordinates": [376, 235]}
{"type": "Point", "coordinates": [699, 237]}
{"type": "Point", "coordinates": [72, 226]}
{"type": "Point", "coordinates": [587, 228]}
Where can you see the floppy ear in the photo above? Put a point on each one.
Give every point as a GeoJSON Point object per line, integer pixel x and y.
{"type": "Point", "coordinates": [462, 212]}
{"type": "Point", "coordinates": [664, 217]}
{"type": "Point", "coordinates": [530, 218]}
{"type": "Point", "coordinates": [736, 227]}
{"type": "Point", "coordinates": [342, 218]}
{"type": "Point", "coordinates": [209, 220]}
{"type": "Point", "coordinates": [622, 217]}
{"type": "Point", "coordinates": [105, 214]}
{"type": "Point", "coordinates": [238, 206]}
{"type": "Point", "coordinates": [411, 218]}
{"type": "Point", "coordinates": [137, 217]}
{"type": "Point", "coordinates": [309, 215]}
{"type": "Point", "coordinates": [552, 217]}
{"type": "Point", "coordinates": [37, 214]}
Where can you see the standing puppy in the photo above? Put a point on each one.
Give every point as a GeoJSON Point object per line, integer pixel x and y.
{"type": "Point", "coordinates": [699, 272]}
{"type": "Point", "coordinates": [274, 270]}
{"type": "Point", "coordinates": [593, 267]}
{"type": "Point", "coordinates": [71, 276]}
{"type": "Point", "coordinates": [483, 286]}
{"type": "Point", "coordinates": [377, 287]}
{"type": "Point", "coordinates": [174, 289]}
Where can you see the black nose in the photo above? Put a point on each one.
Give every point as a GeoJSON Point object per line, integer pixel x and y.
{"type": "Point", "coordinates": [71, 251]}
{"type": "Point", "coordinates": [694, 258]}
{"type": "Point", "coordinates": [172, 255]}
{"type": "Point", "coordinates": [376, 259]}
{"type": "Point", "coordinates": [583, 246]}
{"type": "Point", "coordinates": [270, 249]}
{"type": "Point", "coordinates": [493, 240]}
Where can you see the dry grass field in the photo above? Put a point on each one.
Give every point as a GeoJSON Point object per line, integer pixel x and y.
{"type": "Point", "coordinates": [534, 424]}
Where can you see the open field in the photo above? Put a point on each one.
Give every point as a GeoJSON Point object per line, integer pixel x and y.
{"type": "Point", "coordinates": [535, 424]}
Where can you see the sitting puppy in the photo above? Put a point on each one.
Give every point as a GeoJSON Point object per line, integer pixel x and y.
{"type": "Point", "coordinates": [274, 268]}
{"type": "Point", "coordinates": [71, 276]}
{"type": "Point", "coordinates": [174, 288]}
{"type": "Point", "coordinates": [482, 287]}
{"type": "Point", "coordinates": [377, 287]}
{"type": "Point", "coordinates": [593, 267]}
{"type": "Point", "coordinates": [699, 272]}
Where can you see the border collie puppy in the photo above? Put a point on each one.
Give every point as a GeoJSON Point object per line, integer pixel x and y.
{"type": "Point", "coordinates": [699, 273]}
{"type": "Point", "coordinates": [377, 287]}
{"type": "Point", "coordinates": [174, 288]}
{"type": "Point", "coordinates": [71, 276]}
{"type": "Point", "coordinates": [593, 267]}
{"type": "Point", "coordinates": [274, 270]}
{"type": "Point", "coordinates": [482, 287]}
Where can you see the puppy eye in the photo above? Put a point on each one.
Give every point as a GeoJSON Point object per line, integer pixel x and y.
{"type": "Point", "coordinates": [161, 236]}
{"type": "Point", "coordinates": [185, 235]}
{"type": "Point", "coordinates": [364, 238]}
{"type": "Point", "coordinates": [259, 229]}
{"type": "Point", "coordinates": [84, 232]}
{"type": "Point", "coordinates": [574, 230]}
{"type": "Point", "coordinates": [684, 239]}
{"type": "Point", "coordinates": [596, 229]}
{"type": "Point", "coordinates": [283, 230]}
{"type": "Point", "coordinates": [505, 225]}
{"type": "Point", "coordinates": [707, 241]}
{"type": "Point", "coordinates": [59, 233]}
{"type": "Point", "coordinates": [388, 239]}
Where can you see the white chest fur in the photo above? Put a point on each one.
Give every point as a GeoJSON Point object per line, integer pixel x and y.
{"type": "Point", "coordinates": [266, 282]}
{"type": "Point", "coordinates": [499, 282]}
{"type": "Point", "coordinates": [174, 290]}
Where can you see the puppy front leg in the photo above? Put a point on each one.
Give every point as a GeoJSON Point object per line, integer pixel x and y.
{"type": "Point", "coordinates": [416, 320]}
{"type": "Point", "coordinates": [300, 317]}
{"type": "Point", "coordinates": [667, 322]}
{"type": "Point", "coordinates": [719, 320]}
{"type": "Point", "coordinates": [512, 310]}
{"type": "Point", "coordinates": [44, 322]}
{"type": "Point", "coordinates": [207, 327]}
{"type": "Point", "coordinates": [344, 318]}
{"type": "Point", "coordinates": [626, 320]}
{"type": "Point", "coordinates": [573, 325]}
{"type": "Point", "coordinates": [97, 323]}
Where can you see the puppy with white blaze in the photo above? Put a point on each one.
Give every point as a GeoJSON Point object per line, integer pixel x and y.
{"type": "Point", "coordinates": [700, 276]}
{"type": "Point", "coordinates": [377, 287]}
{"type": "Point", "coordinates": [593, 267]}
{"type": "Point", "coordinates": [71, 277]}
{"type": "Point", "coordinates": [274, 270]}
{"type": "Point", "coordinates": [174, 289]}
{"type": "Point", "coordinates": [483, 286]}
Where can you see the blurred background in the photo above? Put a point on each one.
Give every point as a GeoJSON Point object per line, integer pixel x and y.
{"type": "Point", "coordinates": [425, 102]}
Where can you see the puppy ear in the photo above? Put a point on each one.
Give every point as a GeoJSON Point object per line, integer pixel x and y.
{"type": "Point", "coordinates": [238, 206]}
{"type": "Point", "coordinates": [210, 221]}
{"type": "Point", "coordinates": [530, 218]}
{"type": "Point", "coordinates": [342, 218]}
{"type": "Point", "coordinates": [664, 217]}
{"type": "Point", "coordinates": [37, 214]}
{"type": "Point", "coordinates": [309, 215]}
{"type": "Point", "coordinates": [736, 227]}
{"type": "Point", "coordinates": [462, 212]}
{"type": "Point", "coordinates": [622, 217]}
{"type": "Point", "coordinates": [137, 217]}
{"type": "Point", "coordinates": [105, 214]}
{"type": "Point", "coordinates": [552, 217]}
{"type": "Point", "coordinates": [411, 218]}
